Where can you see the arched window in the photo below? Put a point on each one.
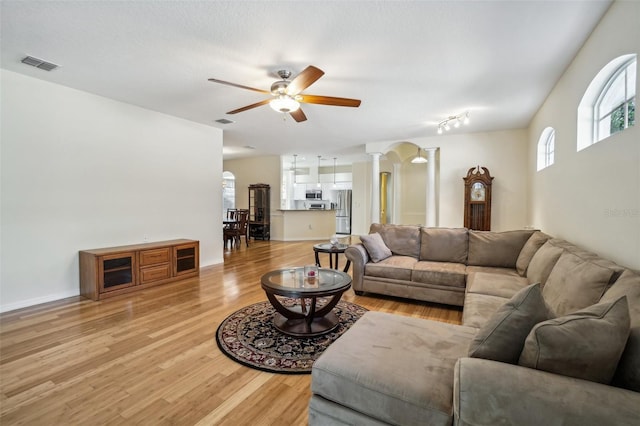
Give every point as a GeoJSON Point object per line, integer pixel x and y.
{"type": "Point", "coordinates": [609, 103]}
{"type": "Point", "coordinates": [546, 147]}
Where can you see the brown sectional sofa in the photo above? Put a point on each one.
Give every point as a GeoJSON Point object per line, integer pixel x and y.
{"type": "Point", "coordinates": [392, 369]}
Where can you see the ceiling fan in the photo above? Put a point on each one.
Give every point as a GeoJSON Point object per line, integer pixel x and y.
{"type": "Point", "coordinates": [286, 95]}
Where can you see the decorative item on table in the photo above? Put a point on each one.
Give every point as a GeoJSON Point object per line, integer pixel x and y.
{"type": "Point", "coordinates": [310, 273]}
{"type": "Point", "coordinates": [334, 240]}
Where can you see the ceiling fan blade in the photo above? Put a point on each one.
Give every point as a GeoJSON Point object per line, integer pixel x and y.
{"type": "Point", "coordinates": [303, 80]}
{"type": "Point", "coordinates": [257, 104]}
{"type": "Point", "coordinates": [298, 115]}
{"type": "Point", "coordinates": [328, 100]}
{"type": "Point", "coordinates": [214, 80]}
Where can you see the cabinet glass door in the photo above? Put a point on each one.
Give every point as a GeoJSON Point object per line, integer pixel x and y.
{"type": "Point", "coordinates": [186, 259]}
{"type": "Point", "coordinates": [117, 271]}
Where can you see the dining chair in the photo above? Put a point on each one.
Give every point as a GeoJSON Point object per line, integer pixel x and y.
{"type": "Point", "coordinates": [235, 231]}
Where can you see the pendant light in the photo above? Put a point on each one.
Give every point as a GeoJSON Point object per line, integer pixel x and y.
{"type": "Point", "coordinates": [295, 169]}
{"type": "Point", "coordinates": [419, 159]}
{"type": "Point", "coordinates": [334, 172]}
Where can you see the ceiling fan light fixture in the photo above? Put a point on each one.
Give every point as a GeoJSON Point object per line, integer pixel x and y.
{"type": "Point", "coordinates": [284, 104]}
{"type": "Point", "coordinates": [419, 159]}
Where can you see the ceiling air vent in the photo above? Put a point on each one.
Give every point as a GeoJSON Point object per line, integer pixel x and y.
{"type": "Point", "coordinates": [224, 121]}
{"type": "Point", "coordinates": [39, 63]}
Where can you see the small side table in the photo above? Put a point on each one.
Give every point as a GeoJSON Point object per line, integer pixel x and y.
{"type": "Point", "coordinates": [333, 252]}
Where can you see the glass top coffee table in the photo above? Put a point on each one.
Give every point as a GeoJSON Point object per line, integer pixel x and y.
{"type": "Point", "coordinates": [308, 318]}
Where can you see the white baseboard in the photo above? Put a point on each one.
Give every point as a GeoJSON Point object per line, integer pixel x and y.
{"type": "Point", "coordinates": [36, 301]}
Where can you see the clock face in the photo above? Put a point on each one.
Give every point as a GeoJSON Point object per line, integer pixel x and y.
{"type": "Point", "coordinates": [477, 192]}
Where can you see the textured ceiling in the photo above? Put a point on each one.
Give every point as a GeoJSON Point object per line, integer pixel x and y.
{"type": "Point", "coordinates": [412, 63]}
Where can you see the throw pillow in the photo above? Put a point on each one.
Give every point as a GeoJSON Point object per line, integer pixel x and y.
{"type": "Point", "coordinates": [628, 373]}
{"type": "Point", "coordinates": [575, 283]}
{"type": "Point", "coordinates": [586, 344]}
{"type": "Point", "coordinates": [503, 335]}
{"type": "Point", "coordinates": [375, 246]}
{"type": "Point", "coordinates": [529, 250]}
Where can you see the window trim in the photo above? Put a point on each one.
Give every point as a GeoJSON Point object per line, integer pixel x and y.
{"type": "Point", "coordinates": [546, 148]}
{"type": "Point", "coordinates": [585, 113]}
{"type": "Point", "coordinates": [597, 118]}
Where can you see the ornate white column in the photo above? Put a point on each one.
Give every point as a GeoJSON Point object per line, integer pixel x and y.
{"type": "Point", "coordinates": [395, 211]}
{"type": "Point", "coordinates": [375, 187]}
{"type": "Point", "coordinates": [430, 216]}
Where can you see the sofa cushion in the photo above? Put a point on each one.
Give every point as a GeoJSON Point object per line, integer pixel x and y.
{"type": "Point", "coordinates": [502, 337]}
{"type": "Point", "coordinates": [575, 284]}
{"type": "Point", "coordinates": [444, 244]}
{"type": "Point", "coordinates": [441, 273]}
{"type": "Point", "coordinates": [590, 256]}
{"type": "Point", "coordinates": [492, 270]}
{"type": "Point", "coordinates": [535, 241]}
{"type": "Point", "coordinates": [495, 284]}
{"type": "Point", "coordinates": [394, 368]}
{"type": "Point", "coordinates": [403, 240]}
{"type": "Point", "coordinates": [542, 263]}
{"type": "Point", "coordinates": [496, 394]}
{"type": "Point", "coordinates": [375, 246]}
{"type": "Point", "coordinates": [501, 249]}
{"type": "Point", "coordinates": [478, 308]}
{"type": "Point", "coordinates": [628, 372]}
{"type": "Point", "coordinates": [394, 267]}
{"type": "Point", "coordinates": [586, 344]}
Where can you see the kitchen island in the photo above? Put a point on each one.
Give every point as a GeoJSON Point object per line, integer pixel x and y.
{"type": "Point", "coordinates": [300, 225]}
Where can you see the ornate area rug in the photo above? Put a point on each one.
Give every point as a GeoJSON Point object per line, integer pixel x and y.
{"type": "Point", "coordinates": [249, 337]}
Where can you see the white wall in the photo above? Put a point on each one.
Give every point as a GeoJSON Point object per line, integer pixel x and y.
{"type": "Point", "coordinates": [504, 153]}
{"type": "Point", "coordinates": [81, 171]}
{"type": "Point", "coordinates": [591, 197]}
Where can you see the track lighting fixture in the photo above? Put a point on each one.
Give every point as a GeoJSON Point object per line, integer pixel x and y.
{"type": "Point", "coordinates": [457, 120]}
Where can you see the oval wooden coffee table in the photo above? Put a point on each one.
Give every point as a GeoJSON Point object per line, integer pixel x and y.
{"type": "Point", "coordinates": [305, 319]}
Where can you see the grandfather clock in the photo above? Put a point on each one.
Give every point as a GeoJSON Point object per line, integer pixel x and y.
{"type": "Point", "coordinates": [477, 199]}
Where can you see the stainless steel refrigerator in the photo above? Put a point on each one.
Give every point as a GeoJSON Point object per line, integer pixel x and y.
{"type": "Point", "coordinates": [342, 203]}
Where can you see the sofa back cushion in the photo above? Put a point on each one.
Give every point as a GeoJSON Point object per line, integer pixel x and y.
{"type": "Point", "coordinates": [444, 244]}
{"type": "Point", "coordinates": [403, 240]}
{"type": "Point", "coordinates": [628, 372]}
{"type": "Point", "coordinates": [542, 263]}
{"type": "Point", "coordinates": [586, 344]}
{"type": "Point", "coordinates": [499, 249]}
{"type": "Point", "coordinates": [590, 256]}
{"type": "Point", "coordinates": [575, 283]}
{"type": "Point", "coordinates": [535, 241]}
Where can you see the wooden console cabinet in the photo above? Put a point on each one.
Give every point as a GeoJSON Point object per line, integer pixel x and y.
{"type": "Point", "coordinates": [111, 271]}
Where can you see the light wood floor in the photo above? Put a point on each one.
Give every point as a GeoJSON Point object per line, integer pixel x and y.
{"type": "Point", "coordinates": [150, 358]}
